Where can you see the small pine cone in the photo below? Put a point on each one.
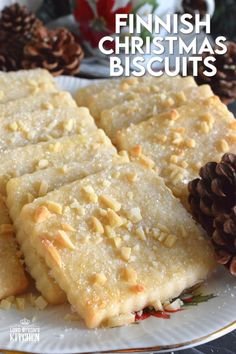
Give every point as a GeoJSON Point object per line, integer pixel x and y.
{"type": "Point", "coordinates": [57, 51]}
{"type": "Point", "coordinates": [212, 199]}
{"type": "Point", "coordinates": [17, 20]}
{"type": "Point", "coordinates": [223, 83]}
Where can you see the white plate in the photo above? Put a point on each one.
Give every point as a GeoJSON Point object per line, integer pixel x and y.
{"type": "Point", "coordinates": [194, 325]}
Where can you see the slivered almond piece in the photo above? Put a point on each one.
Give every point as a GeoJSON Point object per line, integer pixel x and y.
{"type": "Point", "coordinates": [43, 188]}
{"type": "Point", "coordinates": [117, 242]}
{"type": "Point", "coordinates": [6, 229]}
{"type": "Point", "coordinates": [129, 274]}
{"type": "Point", "coordinates": [136, 151]}
{"type": "Point", "coordinates": [41, 214]}
{"type": "Point", "coordinates": [109, 202]}
{"type": "Point", "coordinates": [43, 163]}
{"type": "Point", "coordinates": [146, 161]}
{"type": "Point", "coordinates": [125, 253]}
{"type": "Point", "coordinates": [114, 219]}
{"type": "Point", "coordinates": [63, 240]}
{"type": "Point", "coordinates": [67, 227]}
{"type": "Point", "coordinates": [90, 194]}
{"type": "Point", "coordinates": [140, 233]}
{"type": "Point", "coordinates": [180, 97]}
{"type": "Point", "coordinates": [137, 288]}
{"type": "Point", "coordinates": [99, 278]}
{"type": "Point", "coordinates": [54, 207]}
{"type": "Point", "coordinates": [109, 231]}
{"type": "Point", "coordinates": [223, 146]}
{"type": "Point", "coordinates": [170, 241]}
{"type": "Point", "coordinates": [134, 215]}
{"type": "Point", "coordinates": [96, 225]}
{"type": "Point", "coordinates": [52, 251]}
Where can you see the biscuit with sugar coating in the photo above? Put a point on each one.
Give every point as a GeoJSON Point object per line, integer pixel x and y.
{"type": "Point", "coordinates": [134, 245]}
{"type": "Point", "coordinates": [123, 115]}
{"type": "Point", "coordinates": [183, 140]}
{"type": "Point", "coordinates": [92, 155]}
{"type": "Point", "coordinates": [42, 101]}
{"type": "Point", "coordinates": [33, 127]}
{"type": "Point", "coordinates": [12, 276]}
{"type": "Point", "coordinates": [117, 91]}
{"type": "Point", "coordinates": [23, 83]}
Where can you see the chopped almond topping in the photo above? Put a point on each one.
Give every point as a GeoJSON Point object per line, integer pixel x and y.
{"type": "Point", "coordinates": [124, 155]}
{"type": "Point", "coordinates": [169, 102]}
{"type": "Point", "coordinates": [183, 231]}
{"type": "Point", "coordinates": [190, 143]}
{"type": "Point", "coordinates": [170, 241]}
{"type": "Point", "coordinates": [140, 233]}
{"type": "Point", "coordinates": [174, 158]}
{"type": "Point", "coordinates": [146, 161]}
{"type": "Point", "coordinates": [41, 214]}
{"type": "Point", "coordinates": [204, 127]}
{"type": "Point", "coordinates": [63, 239]}
{"type": "Point", "coordinates": [52, 251]}
{"type": "Point", "coordinates": [109, 202]}
{"type": "Point", "coordinates": [125, 253]}
{"type": "Point", "coordinates": [96, 225]}
{"type": "Point", "coordinates": [117, 242]}
{"type": "Point", "coordinates": [223, 146]}
{"type": "Point", "coordinates": [137, 288]}
{"type": "Point", "coordinates": [114, 219]}
{"type": "Point", "coordinates": [134, 215]}
{"type": "Point", "coordinates": [43, 163]}
{"type": "Point", "coordinates": [46, 105]}
{"type": "Point", "coordinates": [208, 118]}
{"type": "Point", "coordinates": [13, 126]}
{"type": "Point", "coordinates": [54, 207]}
{"type": "Point", "coordinates": [180, 97]}
{"type": "Point", "coordinates": [99, 278]}
{"type": "Point", "coordinates": [6, 229]}
{"type": "Point", "coordinates": [136, 151]}
{"type": "Point", "coordinates": [132, 176]}
{"type": "Point", "coordinates": [129, 274]}
{"type": "Point", "coordinates": [68, 125]}
{"type": "Point", "coordinates": [90, 194]}
{"type": "Point", "coordinates": [124, 86]}
{"type": "Point", "coordinates": [67, 227]}
{"type": "Point", "coordinates": [172, 115]}
{"type": "Point", "coordinates": [109, 231]}
{"type": "Point", "coordinates": [43, 188]}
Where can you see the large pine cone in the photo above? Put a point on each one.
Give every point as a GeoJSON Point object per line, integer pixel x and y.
{"type": "Point", "coordinates": [212, 200]}
{"type": "Point", "coordinates": [57, 51]}
{"type": "Point", "coordinates": [223, 83]}
{"type": "Point", "coordinates": [17, 20]}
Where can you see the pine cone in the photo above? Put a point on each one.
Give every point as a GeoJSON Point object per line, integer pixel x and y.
{"type": "Point", "coordinates": [223, 83]}
{"type": "Point", "coordinates": [17, 19]}
{"type": "Point", "coordinates": [8, 61]}
{"type": "Point", "coordinates": [194, 7]}
{"type": "Point", "coordinates": [212, 201]}
{"type": "Point", "coordinates": [57, 51]}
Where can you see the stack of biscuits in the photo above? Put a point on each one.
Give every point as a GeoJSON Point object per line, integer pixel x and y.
{"type": "Point", "coordinates": [95, 196]}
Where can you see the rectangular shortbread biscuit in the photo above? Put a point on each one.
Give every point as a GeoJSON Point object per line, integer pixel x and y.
{"type": "Point", "coordinates": [15, 85]}
{"type": "Point", "coordinates": [91, 157]}
{"type": "Point", "coordinates": [123, 115]}
{"type": "Point", "coordinates": [42, 101]}
{"type": "Point", "coordinates": [43, 125]}
{"type": "Point", "coordinates": [129, 89]}
{"type": "Point", "coordinates": [134, 245]}
{"type": "Point", "coordinates": [12, 276]}
{"type": "Point", "coordinates": [30, 158]}
{"type": "Point", "coordinates": [183, 140]}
